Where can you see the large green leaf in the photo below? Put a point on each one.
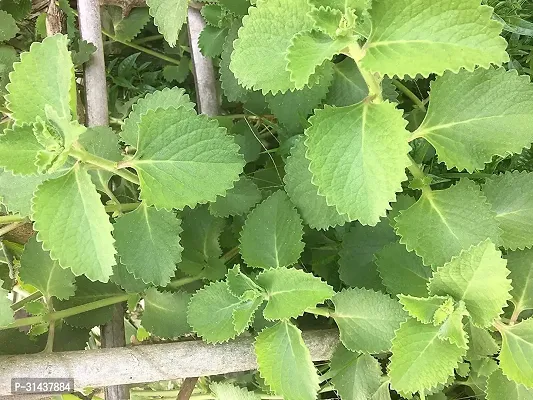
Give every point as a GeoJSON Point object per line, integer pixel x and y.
{"type": "Point", "coordinates": [520, 263]}
{"type": "Point", "coordinates": [72, 224]}
{"type": "Point", "coordinates": [420, 359]}
{"type": "Point", "coordinates": [355, 376]}
{"type": "Point", "coordinates": [44, 76]}
{"type": "Point", "coordinates": [516, 356]}
{"type": "Point", "coordinates": [272, 234]}
{"type": "Point", "coordinates": [184, 159]}
{"type": "Point", "coordinates": [499, 387]}
{"type": "Point", "coordinates": [169, 16]}
{"type": "Point", "coordinates": [411, 37]}
{"type": "Point", "coordinates": [264, 39]}
{"type": "Point", "coordinates": [402, 271]}
{"type": "Point", "coordinates": [304, 194]}
{"type": "Point", "coordinates": [148, 243]}
{"type": "Point", "coordinates": [285, 363]}
{"type": "Point", "coordinates": [290, 291]}
{"type": "Point", "coordinates": [358, 158]}
{"type": "Point", "coordinates": [165, 313]}
{"type": "Point", "coordinates": [511, 197]}
{"type": "Point", "coordinates": [166, 98]}
{"type": "Point", "coordinates": [19, 149]}
{"type": "Point", "coordinates": [367, 320]}
{"type": "Point", "coordinates": [469, 127]}
{"type": "Point", "coordinates": [6, 313]}
{"type": "Point", "coordinates": [457, 217]}
{"type": "Point", "coordinates": [43, 273]}
{"type": "Point", "coordinates": [478, 277]}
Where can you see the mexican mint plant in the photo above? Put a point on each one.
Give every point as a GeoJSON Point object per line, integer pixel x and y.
{"type": "Point", "coordinates": [404, 223]}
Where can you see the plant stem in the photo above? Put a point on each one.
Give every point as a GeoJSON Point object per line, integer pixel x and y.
{"type": "Point", "coordinates": [21, 303]}
{"type": "Point", "coordinates": [372, 81]}
{"type": "Point", "coordinates": [104, 164]}
{"type": "Point", "coordinates": [51, 329]}
{"type": "Point", "coordinates": [405, 90]}
{"type": "Point", "coordinates": [229, 255]}
{"type": "Point", "coordinates": [417, 173]}
{"type": "Point", "coordinates": [516, 314]}
{"type": "Point", "coordinates": [323, 311]}
{"type": "Point", "coordinates": [184, 281]}
{"type": "Point", "coordinates": [10, 227]}
{"type": "Point", "coordinates": [148, 39]}
{"type": "Point", "coordinates": [68, 312]}
{"type": "Point", "coordinates": [7, 219]}
{"type": "Point", "coordinates": [121, 207]}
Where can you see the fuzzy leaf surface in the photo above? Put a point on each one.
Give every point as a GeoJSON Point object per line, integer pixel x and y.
{"type": "Point", "coordinates": [358, 158]}
{"type": "Point", "coordinates": [499, 387]}
{"type": "Point", "coordinates": [19, 149]}
{"type": "Point", "coordinates": [72, 224]}
{"type": "Point", "coordinates": [470, 127]}
{"type": "Point", "coordinates": [348, 86]}
{"type": "Point", "coordinates": [458, 217]}
{"type": "Point", "coordinates": [477, 276]}
{"type": "Point", "coordinates": [520, 263]}
{"type": "Point", "coordinates": [367, 319]}
{"type": "Point", "coordinates": [272, 234]}
{"type": "Point", "coordinates": [169, 16]}
{"type": "Point", "coordinates": [240, 285]}
{"type": "Point", "coordinates": [165, 313]}
{"type": "Point", "coordinates": [456, 33]}
{"type": "Point", "coordinates": [184, 159]}
{"type": "Point", "coordinates": [285, 363]}
{"type": "Point", "coordinates": [516, 356]}
{"type": "Point", "coordinates": [481, 343]}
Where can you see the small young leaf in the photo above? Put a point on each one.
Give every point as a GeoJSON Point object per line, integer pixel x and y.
{"type": "Point", "coordinates": [125, 28]}
{"type": "Point", "coordinates": [478, 277]}
{"type": "Point", "coordinates": [458, 217]}
{"type": "Point", "coordinates": [165, 313]}
{"type": "Point", "coordinates": [448, 35]}
{"type": "Point", "coordinates": [499, 387]}
{"type": "Point", "coordinates": [272, 235]}
{"type": "Point", "coordinates": [469, 127]}
{"type": "Point", "coordinates": [240, 285]}
{"type": "Point", "coordinates": [169, 16]}
{"type": "Point", "coordinates": [211, 40]}
{"type": "Point", "coordinates": [481, 343]}
{"type": "Point", "coordinates": [423, 308]}
{"type": "Point", "coordinates": [238, 200]}
{"type": "Point", "coordinates": [8, 26]}
{"type": "Point", "coordinates": [19, 149]}
{"type": "Point", "coordinates": [326, 18]}
{"type": "Point", "coordinates": [184, 159]}
{"type": "Point", "coordinates": [358, 158]}
{"type": "Point", "coordinates": [148, 243]}
{"type": "Point", "coordinates": [520, 263]}
{"type": "Point", "coordinates": [348, 86]}
{"type": "Point", "coordinates": [402, 271]}
{"type": "Point", "coordinates": [511, 197]}
{"type": "Point", "coordinates": [367, 320]}
{"type": "Point", "coordinates": [516, 356]}
{"type": "Point", "coordinates": [290, 291]}
{"type": "Point", "coordinates": [43, 273]}
{"type": "Point", "coordinates": [227, 391]}
{"type": "Point", "coordinates": [420, 359]}
{"type": "Point", "coordinates": [244, 313]}
{"type": "Point", "coordinates": [6, 313]}
{"type": "Point", "coordinates": [452, 329]}
{"type": "Point", "coordinates": [289, 372]}
{"type": "Point", "coordinates": [72, 224]}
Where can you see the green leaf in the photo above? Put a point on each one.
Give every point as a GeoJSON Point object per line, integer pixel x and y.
{"type": "Point", "coordinates": [511, 197]}
{"type": "Point", "coordinates": [367, 320]}
{"type": "Point", "coordinates": [43, 273]}
{"type": "Point", "coordinates": [272, 234]}
{"type": "Point", "coordinates": [232, 90]}
{"type": "Point", "coordinates": [126, 280]}
{"type": "Point", "coordinates": [348, 85]}
{"type": "Point", "coordinates": [73, 225]}
{"type": "Point", "coordinates": [8, 56]}
{"type": "Point", "coordinates": [402, 271]}
{"type": "Point", "coordinates": [166, 98]}
{"type": "Point", "coordinates": [264, 39]}
{"type": "Point", "coordinates": [148, 243]}
{"type": "Point", "coordinates": [516, 356]}
{"type": "Point", "coordinates": [19, 149]}
{"type": "Point", "coordinates": [520, 263]}
{"type": "Point", "coordinates": [241, 285]}
{"type": "Point", "coordinates": [169, 16]}
{"type": "Point", "coordinates": [125, 28]}
{"type": "Point", "coordinates": [310, 49]}
{"type": "Point", "coordinates": [469, 127]}
{"type": "Point", "coordinates": [285, 363]}
{"type": "Point", "coordinates": [87, 292]}
{"type": "Point", "coordinates": [227, 391]}
{"type": "Point", "coordinates": [481, 343]}
{"type": "Point", "coordinates": [238, 200]}
{"type": "Point", "coordinates": [452, 329]}
{"type": "Point", "coordinates": [184, 159]}
{"type": "Point", "coordinates": [423, 309]}
{"type": "Point", "coordinates": [290, 291]}
{"type": "Point", "coordinates": [6, 313]}
{"type": "Point", "coordinates": [212, 40]}
{"type": "Point", "coordinates": [44, 76]}
{"type": "Point", "coordinates": [83, 53]}
{"type": "Point", "coordinates": [420, 359]}
{"type": "Point", "coordinates": [499, 387]}
{"type": "Point", "coordinates": [356, 257]}
{"type": "Point", "coordinates": [355, 376]}
{"type": "Point", "coordinates": [165, 313]}
{"type": "Point", "coordinates": [8, 26]}
{"type": "Point", "coordinates": [445, 36]}
{"type": "Point", "coordinates": [243, 314]}
{"type": "Point", "coordinates": [179, 72]}
{"type": "Point", "coordinates": [216, 301]}
{"type": "Point", "coordinates": [358, 158]}
{"type": "Point", "coordinates": [478, 277]}
{"type": "Point", "coordinates": [457, 217]}
{"type": "Point", "coordinates": [326, 18]}
{"type": "Point", "coordinates": [200, 241]}
{"type": "Point", "coordinates": [304, 194]}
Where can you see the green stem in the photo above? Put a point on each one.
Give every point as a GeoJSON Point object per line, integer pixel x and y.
{"type": "Point", "coordinates": [323, 311]}
{"type": "Point", "coordinates": [405, 90]}
{"type": "Point", "coordinates": [148, 39]}
{"type": "Point", "coordinates": [372, 81]}
{"type": "Point", "coordinates": [475, 175]}
{"type": "Point", "coordinates": [51, 329]}
{"type": "Point", "coordinates": [21, 303]}
{"type": "Point", "coordinates": [7, 219]}
{"type": "Point", "coordinates": [184, 281]}
{"type": "Point", "coordinates": [516, 314]}
{"type": "Point", "coordinates": [104, 164]}
{"type": "Point", "coordinates": [142, 48]}
{"type": "Point", "coordinates": [68, 312]}
{"type": "Point", "coordinates": [121, 207]}
{"type": "Point", "coordinates": [229, 255]}
{"type": "Point", "coordinates": [10, 227]}
{"type": "Point", "coordinates": [417, 173]}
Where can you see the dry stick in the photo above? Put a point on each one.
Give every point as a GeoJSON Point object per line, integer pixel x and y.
{"type": "Point", "coordinates": [113, 334]}
{"type": "Point", "coordinates": [187, 388]}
